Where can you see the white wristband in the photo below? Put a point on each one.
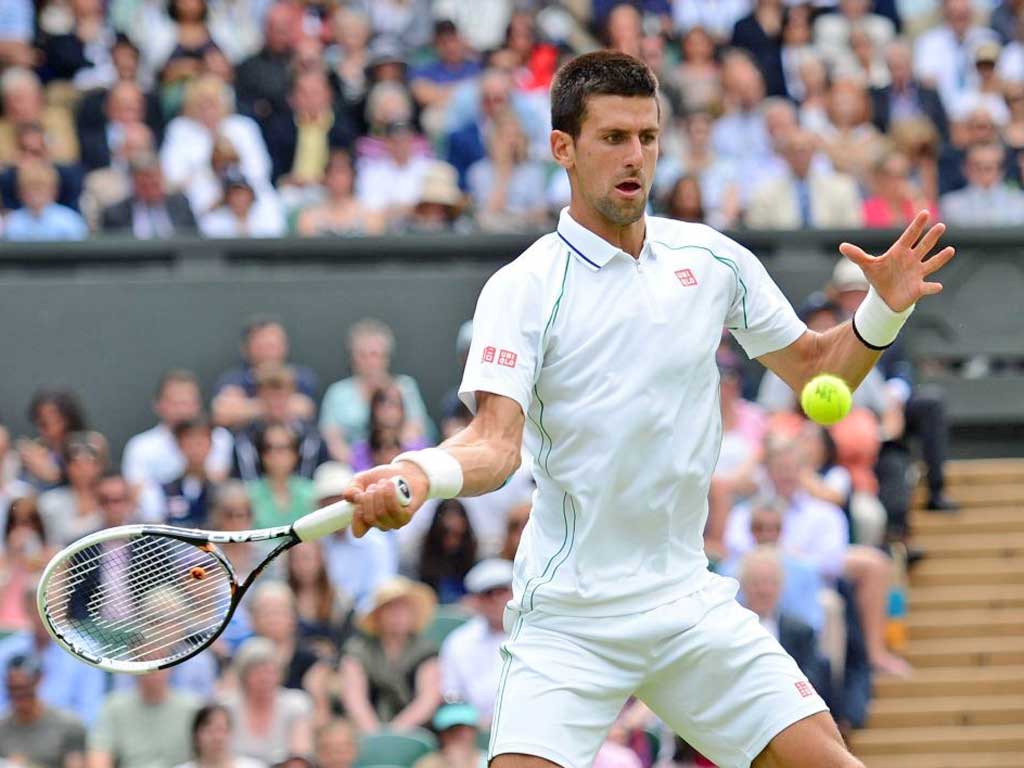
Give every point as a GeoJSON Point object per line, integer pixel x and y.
{"type": "Point", "coordinates": [441, 468]}
{"type": "Point", "coordinates": [875, 324]}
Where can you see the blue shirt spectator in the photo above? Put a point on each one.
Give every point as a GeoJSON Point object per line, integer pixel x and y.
{"type": "Point", "coordinates": [54, 222]}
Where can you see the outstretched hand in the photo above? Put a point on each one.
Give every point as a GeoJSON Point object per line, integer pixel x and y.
{"type": "Point", "coordinates": [898, 275]}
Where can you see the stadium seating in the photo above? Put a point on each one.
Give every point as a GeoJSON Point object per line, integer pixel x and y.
{"type": "Point", "coordinates": [400, 750]}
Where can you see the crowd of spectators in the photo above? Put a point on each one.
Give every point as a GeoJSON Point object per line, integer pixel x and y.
{"type": "Point", "coordinates": [348, 638]}
{"type": "Point", "coordinates": [260, 118]}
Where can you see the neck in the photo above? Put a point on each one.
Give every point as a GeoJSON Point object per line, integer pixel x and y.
{"type": "Point", "coordinates": [219, 760]}
{"type": "Point", "coordinates": [629, 238]}
{"type": "Point", "coordinates": [29, 713]}
{"type": "Point", "coordinates": [278, 483]}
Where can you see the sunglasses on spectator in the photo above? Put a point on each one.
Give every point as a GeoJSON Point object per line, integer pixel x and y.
{"type": "Point", "coordinates": [114, 499]}
{"type": "Point", "coordinates": [239, 512]}
{"type": "Point", "coordinates": [278, 447]}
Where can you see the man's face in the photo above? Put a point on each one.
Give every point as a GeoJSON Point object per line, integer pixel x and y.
{"type": "Point", "coordinates": [275, 401]}
{"type": "Point", "coordinates": [784, 470]}
{"type": "Point", "coordinates": [38, 193]}
{"type": "Point", "coordinates": [23, 103]}
{"type": "Point", "coordinates": [370, 356]}
{"type": "Point", "coordinates": [614, 156]}
{"type": "Point", "coordinates": [449, 48]}
{"type": "Point", "coordinates": [336, 747]}
{"type": "Point", "coordinates": [195, 445]}
{"type": "Point", "coordinates": [491, 604]}
{"type": "Point", "coordinates": [268, 344]}
{"type": "Point", "coordinates": [280, 30]}
{"type": "Point", "coordinates": [762, 584]}
{"type": "Point", "coordinates": [310, 96]}
{"type": "Point", "coordinates": [766, 526]}
{"type": "Point", "coordinates": [149, 185]}
{"type": "Point", "coordinates": [984, 167]}
{"type": "Point", "coordinates": [21, 688]}
{"type": "Point", "coordinates": [178, 401]}
{"type": "Point", "coordinates": [898, 59]}
{"type": "Point", "coordinates": [115, 498]}
{"type": "Point", "coordinates": [124, 104]}
{"type": "Point", "coordinates": [958, 15]}
{"type": "Point", "coordinates": [798, 153]}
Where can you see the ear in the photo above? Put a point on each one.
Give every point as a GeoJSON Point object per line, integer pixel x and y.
{"type": "Point", "coordinates": [563, 149]}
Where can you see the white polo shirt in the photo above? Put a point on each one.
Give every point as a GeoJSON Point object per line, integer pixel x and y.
{"type": "Point", "coordinates": [613, 362]}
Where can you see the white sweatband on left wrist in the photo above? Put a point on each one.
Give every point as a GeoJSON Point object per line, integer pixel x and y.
{"type": "Point", "coordinates": [875, 324]}
{"type": "Point", "coordinates": [441, 468]}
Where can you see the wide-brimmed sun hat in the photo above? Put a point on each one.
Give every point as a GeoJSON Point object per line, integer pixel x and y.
{"type": "Point", "coordinates": [420, 597]}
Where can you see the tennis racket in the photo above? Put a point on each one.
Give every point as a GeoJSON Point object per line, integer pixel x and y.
{"type": "Point", "coordinates": [137, 598]}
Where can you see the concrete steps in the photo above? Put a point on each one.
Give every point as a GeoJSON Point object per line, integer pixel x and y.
{"type": "Point", "coordinates": [947, 711]}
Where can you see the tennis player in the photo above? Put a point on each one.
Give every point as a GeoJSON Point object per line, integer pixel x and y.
{"type": "Point", "coordinates": [597, 346]}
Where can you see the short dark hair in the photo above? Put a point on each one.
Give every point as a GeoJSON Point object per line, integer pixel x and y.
{"type": "Point", "coordinates": [175, 376]}
{"type": "Point", "coordinates": [258, 323]}
{"type": "Point", "coordinates": [65, 401]}
{"type": "Point", "coordinates": [601, 73]}
{"type": "Point", "coordinates": [197, 423]}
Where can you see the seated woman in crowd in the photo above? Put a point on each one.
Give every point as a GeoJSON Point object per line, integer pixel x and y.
{"type": "Point", "coordinates": [896, 198]}
{"type": "Point", "coordinates": [271, 721]}
{"type": "Point", "coordinates": [212, 741]}
{"type": "Point", "coordinates": [389, 676]}
{"type": "Point", "coordinates": [279, 497]}
{"type": "Point", "coordinates": [388, 433]}
{"type": "Point", "coordinates": [56, 415]}
{"type": "Point", "coordinates": [340, 213]}
{"type": "Point", "coordinates": [325, 615]}
{"type": "Point", "coordinates": [22, 559]}
{"type": "Point", "coordinates": [448, 551]}
{"type": "Point", "coordinates": [73, 510]}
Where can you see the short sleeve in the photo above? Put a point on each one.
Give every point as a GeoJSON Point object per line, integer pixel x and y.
{"type": "Point", "coordinates": [504, 356]}
{"type": "Point", "coordinates": [761, 318]}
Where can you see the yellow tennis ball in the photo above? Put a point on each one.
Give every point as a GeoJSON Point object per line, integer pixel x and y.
{"type": "Point", "coordinates": [826, 399]}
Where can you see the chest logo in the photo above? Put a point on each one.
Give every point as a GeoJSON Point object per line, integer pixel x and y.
{"type": "Point", "coordinates": [686, 277]}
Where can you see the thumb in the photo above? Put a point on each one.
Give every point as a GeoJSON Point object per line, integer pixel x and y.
{"type": "Point", "coordinates": [856, 254]}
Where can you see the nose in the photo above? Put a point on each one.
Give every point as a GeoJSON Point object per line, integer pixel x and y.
{"type": "Point", "coordinates": [635, 153]}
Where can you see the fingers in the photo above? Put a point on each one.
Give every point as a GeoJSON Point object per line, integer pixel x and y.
{"type": "Point", "coordinates": [378, 507]}
{"type": "Point", "coordinates": [930, 289]}
{"type": "Point", "coordinates": [939, 260]}
{"type": "Point", "coordinates": [913, 232]}
{"type": "Point", "coordinates": [929, 240]}
{"type": "Point", "coordinates": [855, 253]}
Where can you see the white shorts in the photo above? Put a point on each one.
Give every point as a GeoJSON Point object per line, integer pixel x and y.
{"type": "Point", "coordinates": [703, 664]}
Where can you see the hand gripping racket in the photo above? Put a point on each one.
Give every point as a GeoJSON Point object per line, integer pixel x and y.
{"type": "Point", "coordinates": [136, 598]}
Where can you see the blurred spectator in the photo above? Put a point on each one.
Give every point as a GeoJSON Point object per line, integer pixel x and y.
{"type": "Point", "coordinates": [264, 341]}
{"type": "Point", "coordinates": [23, 102]}
{"type": "Point", "coordinates": [1011, 61]}
{"type": "Point", "coordinates": [919, 141]}
{"type": "Point", "coordinates": [325, 614]}
{"type": "Point", "coordinates": [986, 200]}
{"type": "Point", "coordinates": [56, 414]}
{"type": "Point", "coordinates": [144, 726]}
{"type": "Point", "coordinates": [124, 106]}
{"type": "Point", "coordinates": [717, 17]}
{"type": "Point", "coordinates": [66, 683]}
{"type": "Point", "coordinates": [280, 496]}
{"type": "Point", "coordinates": [389, 676]}
{"type": "Point", "coordinates": [242, 213]}
{"type": "Point", "coordinates": [455, 416]}
{"type": "Point", "coordinates": [852, 143]}
{"type": "Point", "coordinates": [17, 26]}
{"type": "Point", "coordinates": [271, 721]}
{"type": "Point", "coordinates": [152, 458]}
{"type": "Point", "coordinates": [24, 554]}
{"type": "Point", "coordinates": [91, 109]}
{"type": "Point", "coordinates": [483, 23]}
{"type": "Point", "coordinates": [263, 80]}
{"type": "Point", "coordinates": [187, 499]}
{"type": "Point", "coordinates": [760, 32]}
{"type": "Point", "coordinates": [82, 54]}
{"type": "Point", "coordinates": [448, 551]}
{"type": "Point", "coordinates": [32, 149]}
{"type": "Point", "coordinates": [273, 612]}
{"type": "Point", "coordinates": [231, 510]}
{"type": "Point", "coordinates": [518, 516]}
{"type": "Point", "coordinates": [355, 566]}
{"type": "Point", "coordinates": [348, 60]}
{"type": "Point", "coordinates": [438, 206]}
{"type": "Point", "coordinates": [684, 201]}
{"type": "Point", "coordinates": [345, 410]}
{"type": "Point", "coordinates": [1013, 133]}
{"type": "Point", "coordinates": [212, 741]}
{"type": "Point", "coordinates": [457, 726]}
{"type": "Point", "coordinates": [944, 55]}
{"type": "Point", "coordinates": [1004, 19]}
{"type": "Point", "coordinates": [107, 186]}
{"type": "Point", "coordinates": [896, 198]}
{"type": "Point", "coordinates": [73, 510]}
{"type": "Point", "coordinates": [302, 137]}
{"type": "Point", "coordinates": [336, 745]}
{"type": "Point", "coordinates": [406, 22]}
{"type": "Point", "coordinates": [183, 50]}
{"type": "Point", "coordinates": [535, 59]}
{"type": "Point", "coordinates": [834, 32]}
{"type": "Point", "coordinates": [466, 142]}
{"type": "Point", "coordinates": [761, 578]}
{"type": "Point", "coordinates": [504, 184]}
{"type": "Point", "coordinates": [208, 114]}
{"type": "Point", "coordinates": [274, 394]}
{"type": "Point", "coordinates": [622, 27]}
{"type": "Point", "coordinates": [796, 47]}
{"type": "Point", "coordinates": [699, 71]}
{"type": "Point", "coordinates": [805, 197]}
{"type": "Point", "coordinates": [975, 126]}
{"type": "Point", "coordinates": [149, 213]}
{"type": "Point", "coordinates": [988, 91]}
{"type": "Point", "coordinates": [470, 659]}
{"type": "Point", "coordinates": [740, 135]}
{"type": "Point", "coordinates": [41, 217]}
{"type": "Point", "coordinates": [390, 184]}
{"type": "Point", "coordinates": [34, 733]}
{"type": "Point", "coordinates": [388, 433]}
{"type": "Point", "coordinates": [341, 213]}
{"type": "Point", "coordinates": [905, 97]}
{"type": "Point", "coordinates": [432, 84]}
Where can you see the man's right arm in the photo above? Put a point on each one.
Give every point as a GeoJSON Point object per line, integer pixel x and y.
{"type": "Point", "coordinates": [488, 451]}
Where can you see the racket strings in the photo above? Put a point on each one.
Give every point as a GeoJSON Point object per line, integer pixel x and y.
{"type": "Point", "coordinates": [147, 598]}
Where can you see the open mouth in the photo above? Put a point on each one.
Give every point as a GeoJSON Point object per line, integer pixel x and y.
{"type": "Point", "coordinates": [629, 187]}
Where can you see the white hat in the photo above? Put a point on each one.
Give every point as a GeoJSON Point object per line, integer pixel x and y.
{"type": "Point", "coordinates": [489, 574]}
{"type": "Point", "coordinates": [330, 479]}
{"type": "Point", "coordinates": [847, 276]}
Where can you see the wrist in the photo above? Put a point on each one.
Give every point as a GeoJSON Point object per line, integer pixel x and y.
{"type": "Point", "coordinates": [875, 324]}
{"type": "Point", "coordinates": [442, 471]}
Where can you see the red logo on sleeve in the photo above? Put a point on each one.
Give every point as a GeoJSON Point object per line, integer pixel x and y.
{"type": "Point", "coordinates": [804, 689]}
{"type": "Point", "coordinates": [489, 354]}
{"type": "Point", "coordinates": [686, 277]}
{"type": "Point", "coordinates": [507, 358]}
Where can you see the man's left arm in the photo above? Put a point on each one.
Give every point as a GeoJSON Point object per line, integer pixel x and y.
{"type": "Point", "coordinates": [898, 280]}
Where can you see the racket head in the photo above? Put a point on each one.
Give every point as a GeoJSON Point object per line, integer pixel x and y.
{"type": "Point", "coordinates": [137, 598]}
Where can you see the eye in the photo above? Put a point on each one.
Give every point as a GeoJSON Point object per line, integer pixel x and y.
{"type": "Point", "coordinates": [648, 138]}
{"type": "Point", "coordinates": [614, 138]}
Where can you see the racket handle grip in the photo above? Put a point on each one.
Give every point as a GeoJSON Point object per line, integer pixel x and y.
{"type": "Point", "coordinates": [336, 516]}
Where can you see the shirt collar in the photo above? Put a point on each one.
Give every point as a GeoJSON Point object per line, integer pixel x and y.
{"type": "Point", "coordinates": [590, 247]}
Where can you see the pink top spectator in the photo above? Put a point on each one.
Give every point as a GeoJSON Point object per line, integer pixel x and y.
{"type": "Point", "coordinates": [614, 755]}
{"type": "Point", "coordinates": [877, 213]}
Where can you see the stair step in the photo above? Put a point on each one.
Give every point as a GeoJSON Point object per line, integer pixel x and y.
{"type": "Point", "coordinates": [945, 760]}
{"type": "Point", "coordinates": [949, 711]}
{"type": "Point", "coordinates": [954, 681]}
{"type": "Point", "coordinates": [987, 495]}
{"type": "Point", "coordinates": [960, 596]}
{"type": "Point", "coordinates": [968, 738]}
{"type": "Point", "coordinates": [977, 520]}
{"type": "Point", "coordinates": [967, 571]}
{"type": "Point", "coordinates": [967, 652]}
{"type": "Point", "coordinates": [967, 622]}
{"type": "Point", "coordinates": [965, 544]}
{"type": "Point", "coordinates": [984, 471]}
